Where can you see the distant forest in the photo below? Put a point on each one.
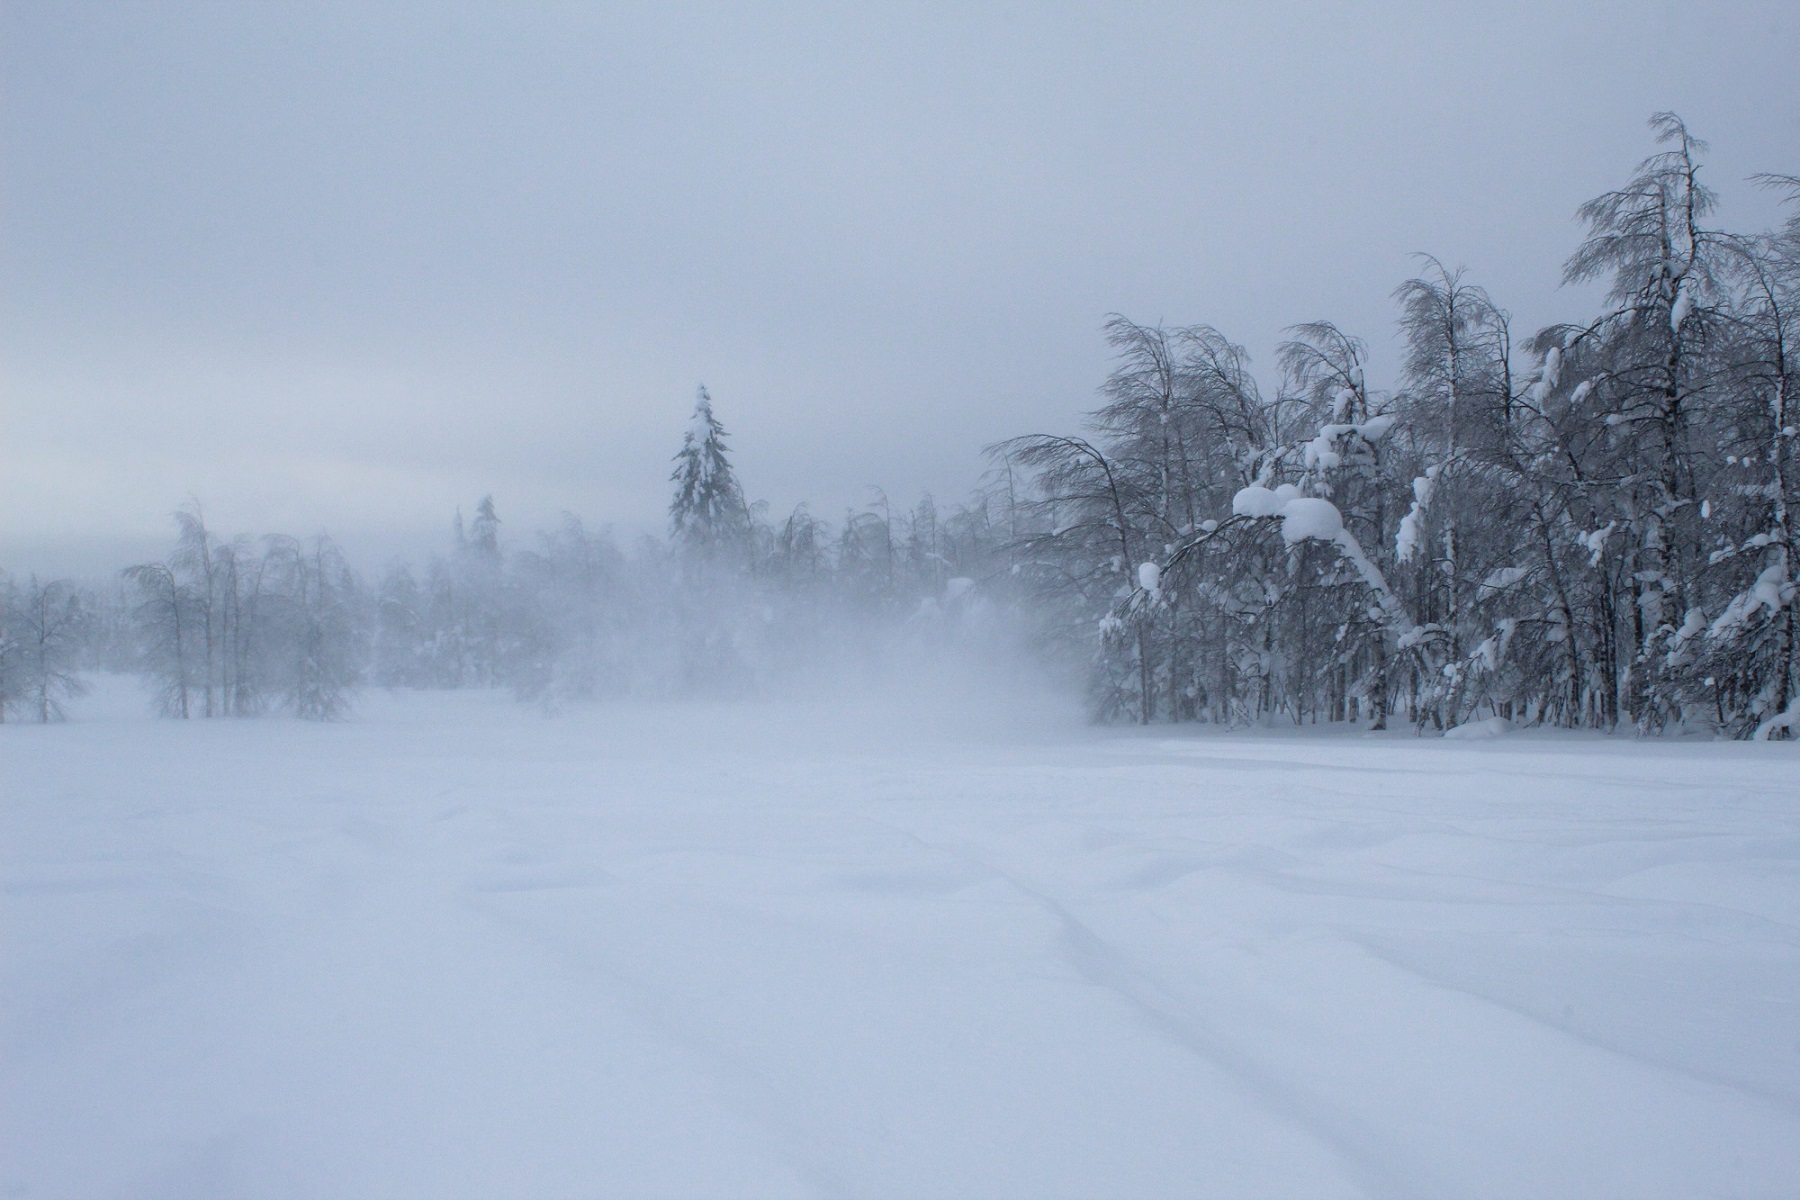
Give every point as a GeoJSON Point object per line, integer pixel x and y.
{"type": "Point", "coordinates": [1584, 526]}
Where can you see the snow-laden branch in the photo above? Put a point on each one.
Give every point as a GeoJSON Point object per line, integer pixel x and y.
{"type": "Point", "coordinates": [1309, 518]}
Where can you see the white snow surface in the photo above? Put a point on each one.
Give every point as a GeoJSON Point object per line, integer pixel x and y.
{"type": "Point", "coordinates": [454, 948]}
{"type": "Point", "coordinates": [1486, 728]}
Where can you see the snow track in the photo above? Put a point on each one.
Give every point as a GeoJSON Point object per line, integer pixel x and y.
{"type": "Point", "coordinates": [454, 948]}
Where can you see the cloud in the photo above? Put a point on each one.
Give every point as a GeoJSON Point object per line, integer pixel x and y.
{"type": "Point", "coordinates": [364, 263]}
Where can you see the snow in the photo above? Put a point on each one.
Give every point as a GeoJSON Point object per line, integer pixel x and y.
{"type": "Point", "coordinates": [453, 948]}
{"type": "Point", "coordinates": [1321, 453]}
{"type": "Point", "coordinates": [1305, 518]}
{"type": "Point", "coordinates": [1787, 719]}
{"type": "Point", "coordinates": [1693, 624]}
{"type": "Point", "coordinates": [1318, 454]}
{"type": "Point", "coordinates": [1377, 427]}
{"type": "Point", "coordinates": [1683, 305]}
{"type": "Point", "coordinates": [1302, 517]}
{"type": "Point", "coordinates": [1150, 577]}
{"type": "Point", "coordinates": [1255, 501]}
{"type": "Point", "coordinates": [1549, 377]}
{"type": "Point", "coordinates": [1411, 533]}
{"type": "Point", "coordinates": [1500, 579]}
{"type": "Point", "coordinates": [1487, 728]}
{"type": "Point", "coordinates": [1309, 517]}
{"type": "Point", "coordinates": [1594, 541]}
{"type": "Point", "coordinates": [1772, 590]}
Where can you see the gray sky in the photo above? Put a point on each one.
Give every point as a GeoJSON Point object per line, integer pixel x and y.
{"type": "Point", "coordinates": [347, 267]}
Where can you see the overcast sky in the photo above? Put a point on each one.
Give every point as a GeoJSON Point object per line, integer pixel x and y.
{"type": "Point", "coordinates": [348, 267]}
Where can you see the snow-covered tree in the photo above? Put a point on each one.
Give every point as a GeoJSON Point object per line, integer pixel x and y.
{"type": "Point", "coordinates": [320, 643]}
{"type": "Point", "coordinates": [708, 517]}
{"type": "Point", "coordinates": [42, 630]}
{"type": "Point", "coordinates": [1590, 528]}
{"type": "Point", "coordinates": [400, 630]}
{"type": "Point", "coordinates": [224, 630]}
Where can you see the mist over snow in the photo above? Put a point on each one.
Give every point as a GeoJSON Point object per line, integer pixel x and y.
{"type": "Point", "coordinates": [717, 600]}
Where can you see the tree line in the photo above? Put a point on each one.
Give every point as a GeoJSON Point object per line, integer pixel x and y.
{"type": "Point", "coordinates": [1586, 526]}
{"type": "Point", "coordinates": [729, 601]}
{"type": "Point", "coordinates": [1583, 526]}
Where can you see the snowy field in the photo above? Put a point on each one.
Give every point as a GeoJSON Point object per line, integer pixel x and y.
{"type": "Point", "coordinates": [454, 948]}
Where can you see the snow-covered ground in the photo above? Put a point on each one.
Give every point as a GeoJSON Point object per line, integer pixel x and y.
{"type": "Point", "coordinates": [454, 948]}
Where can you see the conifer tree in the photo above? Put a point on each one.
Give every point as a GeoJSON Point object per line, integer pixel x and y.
{"type": "Point", "coordinates": [708, 516]}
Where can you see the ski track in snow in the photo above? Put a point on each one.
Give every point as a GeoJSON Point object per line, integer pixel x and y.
{"type": "Point", "coordinates": [455, 948]}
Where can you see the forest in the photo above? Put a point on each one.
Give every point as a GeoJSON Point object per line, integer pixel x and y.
{"type": "Point", "coordinates": [1583, 526]}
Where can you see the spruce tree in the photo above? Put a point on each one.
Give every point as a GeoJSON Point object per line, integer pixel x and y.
{"type": "Point", "coordinates": [707, 516]}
